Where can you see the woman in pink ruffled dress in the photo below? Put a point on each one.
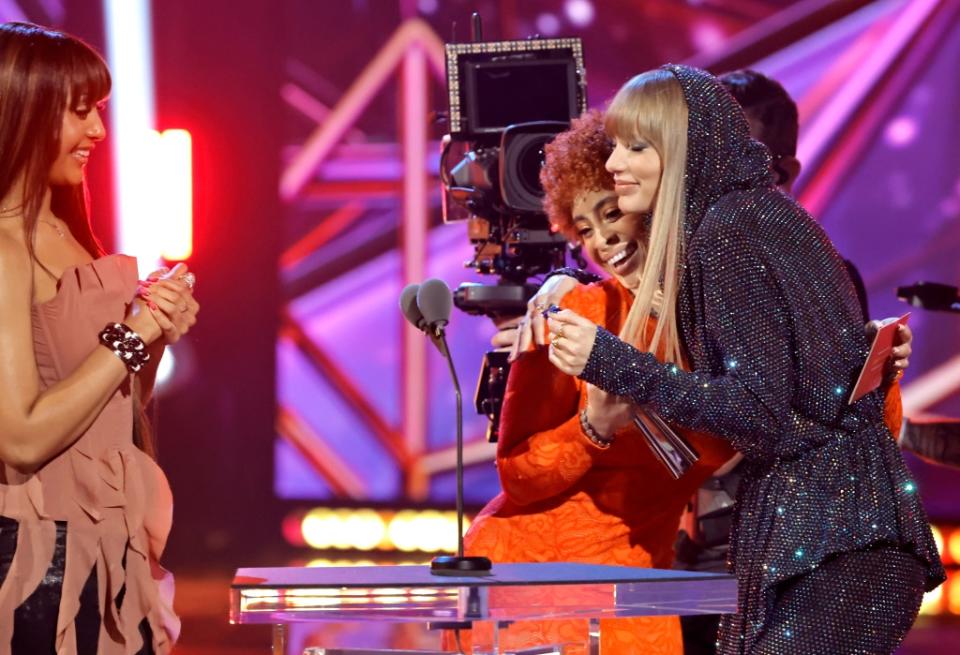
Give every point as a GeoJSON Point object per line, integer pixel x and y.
{"type": "Point", "coordinates": [84, 509]}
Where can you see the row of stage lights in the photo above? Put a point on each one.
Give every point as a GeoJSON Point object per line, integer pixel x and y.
{"type": "Point", "coordinates": [945, 599]}
{"type": "Point", "coordinates": [385, 532]}
{"type": "Point", "coordinates": [343, 529]}
{"type": "Point", "coordinates": [430, 530]}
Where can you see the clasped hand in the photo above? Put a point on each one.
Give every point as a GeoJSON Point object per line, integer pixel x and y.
{"type": "Point", "coordinates": [170, 301]}
{"type": "Point", "coordinates": [516, 335]}
{"type": "Point", "coordinates": [571, 341]}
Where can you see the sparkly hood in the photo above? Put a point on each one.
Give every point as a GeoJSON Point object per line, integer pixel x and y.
{"type": "Point", "coordinates": [721, 156]}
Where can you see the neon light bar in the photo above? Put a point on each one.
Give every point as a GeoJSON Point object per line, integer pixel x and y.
{"type": "Point", "coordinates": [130, 56]}
{"type": "Point", "coordinates": [175, 182]}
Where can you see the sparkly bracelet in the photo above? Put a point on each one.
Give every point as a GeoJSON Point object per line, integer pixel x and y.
{"type": "Point", "coordinates": [581, 276]}
{"type": "Point", "coordinates": [125, 344]}
{"type": "Point", "coordinates": [591, 432]}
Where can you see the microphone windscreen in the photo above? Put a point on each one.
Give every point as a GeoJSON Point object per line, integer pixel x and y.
{"type": "Point", "coordinates": [435, 302]}
{"type": "Point", "coordinates": [408, 305]}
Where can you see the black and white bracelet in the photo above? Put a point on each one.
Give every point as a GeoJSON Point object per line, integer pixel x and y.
{"type": "Point", "coordinates": [125, 344]}
{"type": "Point", "coordinates": [591, 432]}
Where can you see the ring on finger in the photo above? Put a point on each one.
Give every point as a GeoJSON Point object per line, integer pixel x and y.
{"type": "Point", "coordinates": [560, 331]}
{"type": "Point", "coordinates": [555, 338]}
{"type": "Point", "coordinates": [540, 306]}
{"type": "Point", "coordinates": [189, 279]}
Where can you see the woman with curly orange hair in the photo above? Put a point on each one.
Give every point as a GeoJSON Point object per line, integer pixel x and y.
{"type": "Point", "coordinates": [579, 483]}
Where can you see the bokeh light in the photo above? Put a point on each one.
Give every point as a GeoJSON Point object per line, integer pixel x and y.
{"type": "Point", "coordinates": [579, 12]}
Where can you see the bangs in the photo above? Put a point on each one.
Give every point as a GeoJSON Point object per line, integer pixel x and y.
{"type": "Point", "coordinates": [54, 67]}
{"type": "Point", "coordinates": [87, 74]}
{"type": "Point", "coordinates": [638, 109]}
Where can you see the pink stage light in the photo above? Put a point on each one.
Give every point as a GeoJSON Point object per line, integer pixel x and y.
{"type": "Point", "coordinates": [158, 222]}
{"type": "Point", "coordinates": [707, 36]}
{"type": "Point", "coordinates": [579, 12]}
{"type": "Point", "coordinates": [901, 131]}
{"type": "Point", "coordinates": [548, 25]}
{"type": "Point", "coordinates": [428, 6]}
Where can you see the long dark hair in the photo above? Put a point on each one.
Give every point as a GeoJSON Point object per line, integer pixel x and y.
{"type": "Point", "coordinates": [44, 73]}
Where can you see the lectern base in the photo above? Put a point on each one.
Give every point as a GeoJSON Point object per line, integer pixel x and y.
{"type": "Point", "coordinates": [460, 566]}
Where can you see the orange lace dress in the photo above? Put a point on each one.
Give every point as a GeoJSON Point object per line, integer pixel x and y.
{"type": "Point", "coordinates": [114, 498]}
{"type": "Point", "coordinates": [566, 500]}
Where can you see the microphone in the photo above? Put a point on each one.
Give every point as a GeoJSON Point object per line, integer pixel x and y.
{"type": "Point", "coordinates": [431, 312]}
{"type": "Point", "coordinates": [408, 305]}
{"type": "Point", "coordinates": [435, 301]}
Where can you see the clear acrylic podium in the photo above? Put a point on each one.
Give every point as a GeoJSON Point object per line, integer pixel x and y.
{"type": "Point", "coordinates": [511, 593]}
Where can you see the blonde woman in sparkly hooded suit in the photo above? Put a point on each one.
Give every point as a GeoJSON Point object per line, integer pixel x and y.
{"type": "Point", "coordinates": [831, 547]}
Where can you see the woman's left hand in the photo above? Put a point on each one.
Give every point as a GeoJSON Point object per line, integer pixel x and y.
{"type": "Point", "coordinates": [899, 358]}
{"type": "Point", "coordinates": [902, 348]}
{"type": "Point", "coordinates": [170, 299]}
{"type": "Point", "coordinates": [571, 340]}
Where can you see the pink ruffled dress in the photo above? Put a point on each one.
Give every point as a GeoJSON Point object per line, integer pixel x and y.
{"type": "Point", "coordinates": [115, 499]}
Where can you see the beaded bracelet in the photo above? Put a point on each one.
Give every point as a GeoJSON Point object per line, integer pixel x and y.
{"type": "Point", "coordinates": [580, 275]}
{"type": "Point", "coordinates": [591, 432]}
{"type": "Point", "coordinates": [125, 344]}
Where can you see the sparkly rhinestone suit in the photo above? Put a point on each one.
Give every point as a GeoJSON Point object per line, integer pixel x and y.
{"type": "Point", "coordinates": [775, 336]}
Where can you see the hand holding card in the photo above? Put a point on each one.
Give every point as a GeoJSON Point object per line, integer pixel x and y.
{"type": "Point", "coordinates": [871, 376]}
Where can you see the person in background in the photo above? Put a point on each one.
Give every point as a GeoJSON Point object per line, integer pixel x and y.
{"type": "Point", "coordinates": [84, 509]}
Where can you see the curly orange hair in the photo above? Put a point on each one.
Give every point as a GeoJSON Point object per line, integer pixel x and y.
{"type": "Point", "coordinates": [575, 165]}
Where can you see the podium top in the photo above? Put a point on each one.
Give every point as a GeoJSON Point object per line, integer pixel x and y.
{"type": "Point", "coordinates": [512, 592]}
{"type": "Point", "coordinates": [540, 573]}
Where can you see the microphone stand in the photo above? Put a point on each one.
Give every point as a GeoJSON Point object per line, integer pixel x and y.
{"type": "Point", "coordinates": [458, 565]}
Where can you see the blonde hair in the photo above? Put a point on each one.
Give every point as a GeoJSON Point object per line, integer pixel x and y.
{"type": "Point", "coordinates": [651, 107]}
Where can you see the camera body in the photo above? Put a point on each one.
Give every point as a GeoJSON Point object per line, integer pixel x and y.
{"type": "Point", "coordinates": [507, 100]}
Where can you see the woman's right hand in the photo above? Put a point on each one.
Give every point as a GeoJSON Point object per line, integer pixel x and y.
{"type": "Point", "coordinates": [141, 320]}
{"type": "Point", "coordinates": [532, 328]}
{"type": "Point", "coordinates": [606, 412]}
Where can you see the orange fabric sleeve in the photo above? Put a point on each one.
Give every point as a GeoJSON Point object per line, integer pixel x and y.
{"type": "Point", "coordinates": [542, 450]}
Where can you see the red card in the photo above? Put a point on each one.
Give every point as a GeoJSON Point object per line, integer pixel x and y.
{"type": "Point", "coordinates": [872, 374]}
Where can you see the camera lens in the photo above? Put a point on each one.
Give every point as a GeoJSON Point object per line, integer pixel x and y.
{"type": "Point", "coordinates": [529, 162]}
{"type": "Point", "coordinates": [522, 161]}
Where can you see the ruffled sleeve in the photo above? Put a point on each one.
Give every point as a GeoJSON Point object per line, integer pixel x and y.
{"type": "Point", "coordinates": [542, 450]}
